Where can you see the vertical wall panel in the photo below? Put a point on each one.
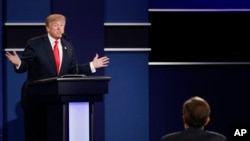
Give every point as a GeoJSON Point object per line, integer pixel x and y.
{"type": "Point", "coordinates": [14, 114]}
{"type": "Point", "coordinates": [84, 26]}
{"type": "Point", "coordinates": [1, 75]}
{"type": "Point", "coordinates": [126, 104]}
{"type": "Point", "coordinates": [85, 29]}
{"type": "Point", "coordinates": [131, 11]}
{"type": "Point", "coordinates": [26, 10]}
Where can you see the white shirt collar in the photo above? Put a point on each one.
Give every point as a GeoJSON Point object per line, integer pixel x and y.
{"type": "Point", "coordinates": [52, 40]}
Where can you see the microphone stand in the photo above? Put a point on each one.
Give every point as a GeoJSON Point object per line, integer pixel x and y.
{"type": "Point", "coordinates": [65, 36]}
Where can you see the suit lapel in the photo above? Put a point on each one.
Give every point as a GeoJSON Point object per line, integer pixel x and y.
{"type": "Point", "coordinates": [50, 54]}
{"type": "Point", "coordinates": [65, 54]}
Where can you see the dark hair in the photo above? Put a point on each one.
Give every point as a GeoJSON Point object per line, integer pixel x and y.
{"type": "Point", "coordinates": [196, 111]}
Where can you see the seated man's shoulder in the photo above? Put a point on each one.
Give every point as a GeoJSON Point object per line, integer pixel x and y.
{"type": "Point", "coordinates": [170, 136]}
{"type": "Point", "coordinates": [194, 136]}
{"type": "Point", "coordinates": [217, 135]}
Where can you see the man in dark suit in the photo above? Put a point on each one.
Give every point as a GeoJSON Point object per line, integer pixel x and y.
{"type": "Point", "coordinates": [39, 62]}
{"type": "Point", "coordinates": [196, 115]}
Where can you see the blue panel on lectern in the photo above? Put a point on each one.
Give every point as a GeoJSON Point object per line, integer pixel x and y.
{"type": "Point", "coordinates": [79, 126]}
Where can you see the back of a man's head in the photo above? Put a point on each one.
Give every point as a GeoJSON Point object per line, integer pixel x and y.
{"type": "Point", "coordinates": [196, 112]}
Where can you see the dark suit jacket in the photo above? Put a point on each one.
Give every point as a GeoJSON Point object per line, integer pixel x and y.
{"type": "Point", "coordinates": [38, 60]}
{"type": "Point", "coordinates": [194, 134]}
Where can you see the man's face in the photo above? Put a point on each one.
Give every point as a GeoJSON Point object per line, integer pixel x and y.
{"type": "Point", "coordinates": [56, 28]}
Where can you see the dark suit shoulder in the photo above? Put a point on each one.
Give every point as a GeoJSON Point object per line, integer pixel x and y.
{"type": "Point", "coordinates": [219, 136]}
{"type": "Point", "coordinates": [170, 136]}
{"type": "Point", "coordinates": [38, 37]}
{"type": "Point", "coordinates": [194, 135]}
{"type": "Point", "coordinates": [38, 41]}
{"type": "Point", "coordinates": [65, 42]}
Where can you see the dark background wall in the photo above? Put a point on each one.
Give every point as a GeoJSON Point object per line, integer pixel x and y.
{"type": "Point", "coordinates": [1, 80]}
{"type": "Point", "coordinates": [225, 87]}
{"type": "Point", "coordinates": [198, 49]}
{"type": "Point", "coordinates": [199, 36]}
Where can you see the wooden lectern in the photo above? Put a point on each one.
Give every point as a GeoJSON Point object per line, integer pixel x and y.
{"type": "Point", "coordinates": [70, 99]}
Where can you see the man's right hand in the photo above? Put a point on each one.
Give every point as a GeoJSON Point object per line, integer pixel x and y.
{"type": "Point", "coordinates": [13, 58]}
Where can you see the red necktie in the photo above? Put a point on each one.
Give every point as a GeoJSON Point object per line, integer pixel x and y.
{"type": "Point", "coordinates": [56, 56]}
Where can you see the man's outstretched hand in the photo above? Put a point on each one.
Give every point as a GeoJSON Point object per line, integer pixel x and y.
{"type": "Point", "coordinates": [100, 62]}
{"type": "Point", "coordinates": [13, 58]}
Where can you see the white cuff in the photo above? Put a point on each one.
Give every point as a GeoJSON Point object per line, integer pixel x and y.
{"type": "Point", "coordinates": [18, 66]}
{"type": "Point", "coordinates": [93, 70]}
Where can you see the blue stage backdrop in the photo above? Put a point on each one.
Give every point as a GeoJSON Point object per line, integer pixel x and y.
{"type": "Point", "coordinates": [84, 26]}
{"type": "Point", "coordinates": [226, 88]}
{"type": "Point", "coordinates": [1, 76]}
{"type": "Point", "coordinates": [26, 11]}
{"type": "Point", "coordinates": [86, 31]}
{"type": "Point", "coordinates": [126, 11]}
{"type": "Point", "coordinates": [201, 4]}
{"type": "Point", "coordinates": [126, 105]}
